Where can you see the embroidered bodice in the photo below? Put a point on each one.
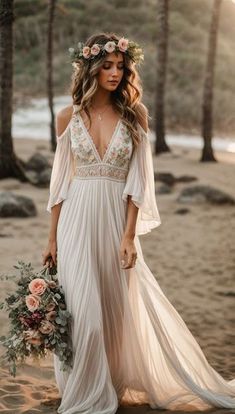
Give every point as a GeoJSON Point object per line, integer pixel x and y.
{"type": "Point", "coordinates": [77, 157]}
{"type": "Point", "coordinates": [88, 162]}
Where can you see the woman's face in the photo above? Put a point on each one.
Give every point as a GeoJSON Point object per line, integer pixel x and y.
{"type": "Point", "coordinates": [111, 71]}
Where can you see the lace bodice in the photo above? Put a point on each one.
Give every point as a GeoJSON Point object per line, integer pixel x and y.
{"type": "Point", "coordinates": [88, 163]}
{"type": "Point", "coordinates": [124, 164]}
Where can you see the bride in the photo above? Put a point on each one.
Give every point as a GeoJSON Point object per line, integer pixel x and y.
{"type": "Point", "coordinates": [130, 345]}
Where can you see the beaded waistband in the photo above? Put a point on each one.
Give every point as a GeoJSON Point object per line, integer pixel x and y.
{"type": "Point", "coordinates": [101, 170]}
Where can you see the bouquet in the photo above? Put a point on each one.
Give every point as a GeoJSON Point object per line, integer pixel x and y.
{"type": "Point", "coordinates": [39, 320]}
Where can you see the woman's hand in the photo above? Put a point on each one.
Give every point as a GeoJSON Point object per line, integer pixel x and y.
{"type": "Point", "coordinates": [49, 255]}
{"type": "Point", "coordinates": [128, 253]}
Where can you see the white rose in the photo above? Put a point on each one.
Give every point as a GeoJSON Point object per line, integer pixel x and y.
{"type": "Point", "coordinates": [110, 46]}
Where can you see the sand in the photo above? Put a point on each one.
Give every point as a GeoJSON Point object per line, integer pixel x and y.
{"type": "Point", "coordinates": [191, 255]}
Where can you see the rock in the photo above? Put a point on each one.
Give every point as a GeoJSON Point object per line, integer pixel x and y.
{"type": "Point", "coordinates": [204, 193]}
{"type": "Point", "coordinates": [186, 179]}
{"type": "Point", "coordinates": [170, 179]}
{"type": "Point", "coordinates": [164, 189]}
{"type": "Point", "coordinates": [13, 205]}
{"type": "Point", "coordinates": [37, 163]}
{"type": "Point", "coordinates": [228, 293]}
{"type": "Point", "coordinates": [32, 176]}
{"type": "Point", "coordinates": [43, 179]}
{"type": "Point", "coordinates": [182, 211]}
{"type": "Point", "coordinates": [166, 178]}
{"type": "Point", "coordinates": [5, 235]}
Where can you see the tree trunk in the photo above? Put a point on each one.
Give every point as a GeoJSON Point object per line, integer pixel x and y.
{"type": "Point", "coordinates": [207, 105]}
{"type": "Point", "coordinates": [162, 46]}
{"type": "Point", "coordinates": [10, 165]}
{"type": "Point", "coordinates": [50, 71]}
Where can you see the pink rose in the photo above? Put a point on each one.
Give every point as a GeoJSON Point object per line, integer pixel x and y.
{"type": "Point", "coordinates": [123, 44]}
{"type": "Point", "coordinates": [37, 286]}
{"type": "Point", "coordinates": [32, 302]}
{"type": "Point", "coordinates": [110, 46]}
{"type": "Point", "coordinates": [50, 306]}
{"type": "Point", "coordinates": [33, 337]}
{"type": "Point", "coordinates": [95, 50]}
{"type": "Point", "coordinates": [50, 316]}
{"type": "Point", "coordinates": [52, 284]}
{"type": "Point", "coordinates": [46, 327]}
{"type": "Point", "coordinates": [86, 51]}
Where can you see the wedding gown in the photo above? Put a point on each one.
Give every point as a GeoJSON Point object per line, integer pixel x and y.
{"type": "Point", "coordinates": [130, 344]}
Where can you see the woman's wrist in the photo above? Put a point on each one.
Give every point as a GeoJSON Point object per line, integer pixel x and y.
{"type": "Point", "coordinates": [52, 238]}
{"type": "Point", "coordinates": [129, 235]}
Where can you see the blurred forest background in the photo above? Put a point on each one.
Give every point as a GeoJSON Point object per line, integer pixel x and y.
{"type": "Point", "coordinates": [189, 23]}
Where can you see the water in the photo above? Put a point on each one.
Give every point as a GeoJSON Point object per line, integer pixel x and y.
{"type": "Point", "coordinates": [33, 122]}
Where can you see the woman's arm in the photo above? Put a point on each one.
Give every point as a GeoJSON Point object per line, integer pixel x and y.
{"type": "Point", "coordinates": [49, 255]}
{"type": "Point", "coordinates": [127, 250]}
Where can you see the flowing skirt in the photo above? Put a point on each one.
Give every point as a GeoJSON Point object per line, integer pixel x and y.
{"type": "Point", "coordinates": [131, 347]}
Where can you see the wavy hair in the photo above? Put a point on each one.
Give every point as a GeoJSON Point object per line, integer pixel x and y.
{"type": "Point", "coordinates": [125, 98]}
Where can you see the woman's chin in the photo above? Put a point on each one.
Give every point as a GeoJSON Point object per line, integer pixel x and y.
{"type": "Point", "coordinates": [112, 86]}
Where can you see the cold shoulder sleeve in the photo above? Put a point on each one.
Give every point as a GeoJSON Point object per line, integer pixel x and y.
{"type": "Point", "coordinates": [62, 169]}
{"type": "Point", "coordinates": [141, 187]}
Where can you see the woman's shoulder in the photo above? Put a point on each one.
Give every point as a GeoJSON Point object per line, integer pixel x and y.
{"type": "Point", "coordinates": [63, 118]}
{"type": "Point", "coordinates": [142, 115]}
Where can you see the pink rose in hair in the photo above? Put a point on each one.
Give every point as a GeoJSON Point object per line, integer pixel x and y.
{"type": "Point", "coordinates": [32, 302]}
{"type": "Point", "coordinates": [123, 44]}
{"type": "Point", "coordinates": [86, 51]}
{"type": "Point", "coordinates": [110, 47]}
{"type": "Point", "coordinates": [37, 286]}
{"type": "Point", "coordinates": [95, 49]}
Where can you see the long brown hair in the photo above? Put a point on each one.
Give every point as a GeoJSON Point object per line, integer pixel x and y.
{"type": "Point", "coordinates": [125, 98]}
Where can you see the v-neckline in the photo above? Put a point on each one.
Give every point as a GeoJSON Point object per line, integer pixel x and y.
{"type": "Point", "coordinates": [93, 143]}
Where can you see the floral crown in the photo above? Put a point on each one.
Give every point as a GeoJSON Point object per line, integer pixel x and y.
{"type": "Point", "coordinates": [86, 53]}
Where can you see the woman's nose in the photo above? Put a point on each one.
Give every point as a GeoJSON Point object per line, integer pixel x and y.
{"type": "Point", "coordinates": [114, 70]}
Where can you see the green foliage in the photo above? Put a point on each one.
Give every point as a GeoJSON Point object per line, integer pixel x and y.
{"type": "Point", "coordinates": [38, 328]}
{"type": "Point", "coordinates": [188, 39]}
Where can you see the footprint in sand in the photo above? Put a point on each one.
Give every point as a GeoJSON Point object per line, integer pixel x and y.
{"type": "Point", "coordinates": [13, 400]}
{"type": "Point", "coordinates": [12, 388]}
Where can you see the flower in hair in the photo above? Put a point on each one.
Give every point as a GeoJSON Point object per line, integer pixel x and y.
{"type": "Point", "coordinates": [123, 44]}
{"type": "Point", "coordinates": [110, 47]}
{"type": "Point", "coordinates": [95, 49]}
{"type": "Point", "coordinates": [87, 53]}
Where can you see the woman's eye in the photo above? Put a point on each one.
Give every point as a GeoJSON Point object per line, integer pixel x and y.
{"type": "Point", "coordinates": [109, 67]}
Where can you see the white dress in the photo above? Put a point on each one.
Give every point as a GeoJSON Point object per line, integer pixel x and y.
{"type": "Point", "coordinates": [130, 344]}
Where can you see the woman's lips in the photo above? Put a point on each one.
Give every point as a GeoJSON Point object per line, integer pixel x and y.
{"type": "Point", "coordinates": [114, 82]}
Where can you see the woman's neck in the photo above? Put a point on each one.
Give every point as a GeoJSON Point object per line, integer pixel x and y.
{"type": "Point", "coordinates": [101, 99]}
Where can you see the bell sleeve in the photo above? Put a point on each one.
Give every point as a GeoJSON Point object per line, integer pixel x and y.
{"type": "Point", "coordinates": [62, 170]}
{"type": "Point", "coordinates": [140, 185]}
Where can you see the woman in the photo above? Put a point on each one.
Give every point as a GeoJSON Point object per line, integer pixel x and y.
{"type": "Point", "coordinates": [130, 345]}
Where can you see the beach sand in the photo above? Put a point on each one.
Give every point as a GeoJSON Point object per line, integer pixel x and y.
{"type": "Point", "coordinates": [191, 255]}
